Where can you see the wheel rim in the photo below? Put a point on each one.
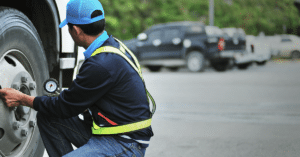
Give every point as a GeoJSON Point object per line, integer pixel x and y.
{"type": "Point", "coordinates": [195, 62]}
{"type": "Point", "coordinates": [16, 124]}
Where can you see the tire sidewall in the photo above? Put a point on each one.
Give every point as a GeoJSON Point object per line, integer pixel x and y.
{"type": "Point", "coordinates": [244, 66]}
{"type": "Point", "coordinates": [18, 33]}
{"type": "Point", "coordinates": [153, 68]}
{"type": "Point", "coordinates": [220, 66]}
{"type": "Point", "coordinates": [197, 55]}
{"type": "Point", "coordinates": [295, 55]}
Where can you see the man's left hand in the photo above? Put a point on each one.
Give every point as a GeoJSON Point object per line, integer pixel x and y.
{"type": "Point", "coordinates": [11, 97]}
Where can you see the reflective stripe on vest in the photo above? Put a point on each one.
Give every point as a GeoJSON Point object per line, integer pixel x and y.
{"type": "Point", "coordinates": [118, 129]}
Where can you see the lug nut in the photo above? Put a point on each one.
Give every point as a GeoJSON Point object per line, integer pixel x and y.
{"type": "Point", "coordinates": [24, 79]}
{"type": "Point", "coordinates": [31, 86]}
{"type": "Point", "coordinates": [24, 132]}
{"type": "Point", "coordinates": [16, 86]}
{"type": "Point", "coordinates": [16, 125]}
{"type": "Point", "coordinates": [32, 123]}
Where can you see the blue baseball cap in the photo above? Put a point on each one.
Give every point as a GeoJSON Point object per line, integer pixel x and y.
{"type": "Point", "coordinates": [80, 11]}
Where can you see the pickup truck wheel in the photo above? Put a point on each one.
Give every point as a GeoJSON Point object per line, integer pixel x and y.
{"type": "Point", "coordinates": [23, 66]}
{"type": "Point", "coordinates": [220, 66]}
{"type": "Point", "coordinates": [195, 61]}
{"type": "Point", "coordinates": [295, 55]}
{"type": "Point", "coordinates": [243, 66]}
{"type": "Point", "coordinates": [173, 69]}
{"type": "Point", "coordinates": [261, 63]}
{"type": "Point", "coordinates": [153, 68]}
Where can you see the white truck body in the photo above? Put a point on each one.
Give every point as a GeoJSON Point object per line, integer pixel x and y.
{"type": "Point", "coordinates": [261, 51]}
{"type": "Point", "coordinates": [68, 44]}
{"type": "Point", "coordinates": [66, 40]}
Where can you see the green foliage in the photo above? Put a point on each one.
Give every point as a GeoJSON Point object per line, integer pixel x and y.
{"type": "Point", "coordinates": [127, 18]}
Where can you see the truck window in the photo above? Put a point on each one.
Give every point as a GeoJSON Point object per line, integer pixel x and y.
{"type": "Point", "coordinates": [154, 35]}
{"type": "Point", "coordinates": [195, 29]}
{"type": "Point", "coordinates": [212, 30]}
{"type": "Point", "coordinates": [231, 32]}
{"type": "Point", "coordinates": [170, 34]}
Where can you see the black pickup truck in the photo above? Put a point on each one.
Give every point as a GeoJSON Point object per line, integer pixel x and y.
{"type": "Point", "coordinates": [179, 44]}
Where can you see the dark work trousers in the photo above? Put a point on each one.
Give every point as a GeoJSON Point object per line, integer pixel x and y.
{"type": "Point", "coordinates": [58, 134]}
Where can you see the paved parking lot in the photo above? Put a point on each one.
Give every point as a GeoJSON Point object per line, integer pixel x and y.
{"type": "Point", "coordinates": [253, 112]}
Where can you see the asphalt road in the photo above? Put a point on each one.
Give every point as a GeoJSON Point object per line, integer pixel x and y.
{"type": "Point", "coordinates": [254, 112]}
{"type": "Point", "coordinates": [237, 113]}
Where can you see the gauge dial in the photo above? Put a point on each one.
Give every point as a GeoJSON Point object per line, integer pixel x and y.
{"type": "Point", "coordinates": [51, 85]}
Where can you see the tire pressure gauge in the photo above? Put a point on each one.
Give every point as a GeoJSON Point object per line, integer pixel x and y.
{"type": "Point", "coordinates": [51, 85]}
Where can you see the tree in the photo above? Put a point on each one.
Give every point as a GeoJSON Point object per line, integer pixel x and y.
{"type": "Point", "coordinates": [125, 19]}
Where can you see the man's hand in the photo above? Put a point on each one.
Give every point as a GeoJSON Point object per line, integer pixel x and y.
{"type": "Point", "coordinates": [14, 98]}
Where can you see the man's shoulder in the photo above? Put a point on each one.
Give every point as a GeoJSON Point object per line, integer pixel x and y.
{"type": "Point", "coordinates": [109, 61]}
{"type": "Point", "coordinates": [111, 42]}
{"type": "Point", "coordinates": [108, 58]}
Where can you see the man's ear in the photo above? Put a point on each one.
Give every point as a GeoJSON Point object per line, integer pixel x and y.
{"type": "Point", "coordinates": [78, 30]}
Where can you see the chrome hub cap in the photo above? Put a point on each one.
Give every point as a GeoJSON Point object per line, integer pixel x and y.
{"type": "Point", "coordinates": [195, 62]}
{"type": "Point", "coordinates": [16, 124]}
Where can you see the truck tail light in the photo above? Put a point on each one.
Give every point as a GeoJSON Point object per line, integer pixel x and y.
{"type": "Point", "coordinates": [221, 44]}
{"type": "Point", "coordinates": [252, 48]}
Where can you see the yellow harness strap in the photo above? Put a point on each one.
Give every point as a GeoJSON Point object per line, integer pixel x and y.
{"type": "Point", "coordinates": [118, 129]}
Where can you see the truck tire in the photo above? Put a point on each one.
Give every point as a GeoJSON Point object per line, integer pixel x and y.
{"type": "Point", "coordinates": [261, 63]}
{"type": "Point", "coordinates": [173, 69]}
{"type": "Point", "coordinates": [195, 61]}
{"type": "Point", "coordinates": [154, 68]}
{"type": "Point", "coordinates": [243, 66]}
{"type": "Point", "coordinates": [220, 66]}
{"type": "Point", "coordinates": [23, 66]}
{"type": "Point", "coordinates": [295, 55]}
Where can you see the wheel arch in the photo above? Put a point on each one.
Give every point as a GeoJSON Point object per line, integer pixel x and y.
{"type": "Point", "coordinates": [295, 51]}
{"type": "Point", "coordinates": [45, 17]}
{"type": "Point", "coordinates": [194, 48]}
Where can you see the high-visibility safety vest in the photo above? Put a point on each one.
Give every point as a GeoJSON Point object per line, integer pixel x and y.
{"type": "Point", "coordinates": [119, 129]}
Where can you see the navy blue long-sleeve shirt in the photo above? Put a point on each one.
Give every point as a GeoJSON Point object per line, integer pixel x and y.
{"type": "Point", "coordinates": [105, 83]}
